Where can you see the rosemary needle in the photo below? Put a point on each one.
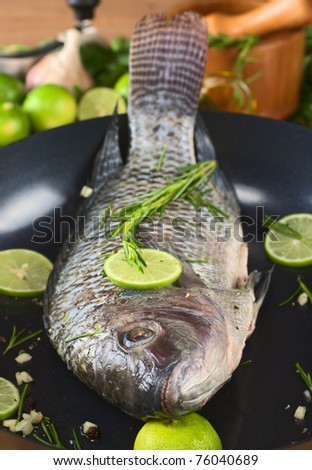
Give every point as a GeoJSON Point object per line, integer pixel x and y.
{"type": "Point", "coordinates": [284, 229]}
{"type": "Point", "coordinates": [51, 434]}
{"type": "Point", "coordinates": [17, 338]}
{"type": "Point", "coordinates": [306, 377]}
{"type": "Point", "coordinates": [161, 158]}
{"type": "Point", "coordinates": [96, 331]}
{"type": "Point", "coordinates": [302, 287]}
{"type": "Point", "coordinates": [76, 440]}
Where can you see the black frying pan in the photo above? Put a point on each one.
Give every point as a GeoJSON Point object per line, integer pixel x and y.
{"type": "Point", "coordinates": [270, 164]}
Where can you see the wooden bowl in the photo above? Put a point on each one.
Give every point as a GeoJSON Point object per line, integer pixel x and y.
{"type": "Point", "coordinates": [277, 58]}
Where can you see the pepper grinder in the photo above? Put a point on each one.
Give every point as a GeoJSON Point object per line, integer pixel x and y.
{"type": "Point", "coordinates": [83, 9]}
{"type": "Point", "coordinates": [84, 13]}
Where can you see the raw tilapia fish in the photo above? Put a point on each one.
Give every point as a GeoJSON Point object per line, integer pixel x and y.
{"type": "Point", "coordinates": [166, 351]}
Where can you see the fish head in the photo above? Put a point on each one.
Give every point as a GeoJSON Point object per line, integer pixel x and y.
{"type": "Point", "coordinates": [167, 354]}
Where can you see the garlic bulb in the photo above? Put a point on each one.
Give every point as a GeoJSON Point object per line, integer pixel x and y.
{"type": "Point", "coordinates": [63, 67]}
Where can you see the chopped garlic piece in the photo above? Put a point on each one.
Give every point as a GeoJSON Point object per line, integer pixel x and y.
{"type": "Point", "coordinates": [87, 425]}
{"type": "Point", "coordinates": [307, 395]}
{"type": "Point", "coordinates": [23, 377]}
{"type": "Point", "coordinates": [23, 357]}
{"type": "Point", "coordinates": [9, 423]}
{"type": "Point", "coordinates": [300, 413]}
{"type": "Point", "coordinates": [302, 299]}
{"type": "Point", "coordinates": [86, 191]}
{"type": "Point", "coordinates": [25, 426]}
{"type": "Point", "coordinates": [35, 416]}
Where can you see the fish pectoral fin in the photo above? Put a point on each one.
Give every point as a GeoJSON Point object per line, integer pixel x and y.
{"type": "Point", "coordinates": [259, 283]}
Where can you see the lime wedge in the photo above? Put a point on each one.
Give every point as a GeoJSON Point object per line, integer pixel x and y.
{"type": "Point", "coordinates": [100, 101]}
{"type": "Point", "coordinates": [23, 273]}
{"type": "Point", "coordinates": [162, 269]}
{"type": "Point", "coordinates": [9, 398]}
{"type": "Point", "coordinates": [289, 251]}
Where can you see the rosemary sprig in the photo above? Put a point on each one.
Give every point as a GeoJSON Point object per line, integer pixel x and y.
{"type": "Point", "coordinates": [21, 404]}
{"type": "Point", "coordinates": [302, 287]}
{"type": "Point", "coordinates": [244, 44]}
{"type": "Point", "coordinates": [306, 377]}
{"type": "Point", "coordinates": [76, 440]}
{"type": "Point", "coordinates": [17, 338]}
{"type": "Point", "coordinates": [284, 229]}
{"type": "Point", "coordinates": [190, 184]}
{"type": "Point", "coordinates": [51, 433]}
{"type": "Point", "coordinates": [96, 331]}
{"type": "Point", "coordinates": [305, 288]}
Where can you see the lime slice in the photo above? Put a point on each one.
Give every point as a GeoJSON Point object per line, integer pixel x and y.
{"type": "Point", "coordinates": [100, 101]}
{"type": "Point", "coordinates": [9, 398]}
{"type": "Point", "coordinates": [23, 273]}
{"type": "Point", "coordinates": [162, 269]}
{"type": "Point", "coordinates": [288, 251]}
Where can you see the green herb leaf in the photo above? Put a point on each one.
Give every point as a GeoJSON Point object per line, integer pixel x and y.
{"type": "Point", "coordinates": [272, 224]}
{"type": "Point", "coordinates": [243, 44]}
{"type": "Point", "coordinates": [284, 229]}
{"type": "Point", "coordinates": [204, 261]}
{"type": "Point", "coordinates": [305, 289]}
{"type": "Point", "coordinates": [51, 434]}
{"type": "Point", "coordinates": [96, 331]}
{"type": "Point", "coordinates": [301, 288]}
{"type": "Point", "coordinates": [17, 338]}
{"type": "Point", "coordinates": [76, 440]}
{"type": "Point", "coordinates": [306, 377]}
{"type": "Point", "coordinates": [21, 404]}
{"type": "Point", "coordinates": [161, 158]}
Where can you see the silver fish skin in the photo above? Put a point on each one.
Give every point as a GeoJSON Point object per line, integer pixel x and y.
{"type": "Point", "coordinates": [161, 352]}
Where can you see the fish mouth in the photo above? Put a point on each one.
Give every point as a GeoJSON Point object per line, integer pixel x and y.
{"type": "Point", "coordinates": [195, 378]}
{"type": "Point", "coordinates": [181, 395]}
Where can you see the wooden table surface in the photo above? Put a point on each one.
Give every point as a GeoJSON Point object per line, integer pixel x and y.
{"type": "Point", "coordinates": [31, 21]}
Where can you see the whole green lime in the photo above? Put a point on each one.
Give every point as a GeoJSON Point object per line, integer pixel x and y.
{"type": "Point", "coordinates": [14, 123]}
{"type": "Point", "coordinates": [190, 432]}
{"type": "Point", "coordinates": [122, 85]}
{"type": "Point", "coordinates": [11, 88]}
{"type": "Point", "coordinates": [50, 106]}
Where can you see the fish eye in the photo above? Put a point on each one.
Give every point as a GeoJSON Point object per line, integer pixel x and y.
{"type": "Point", "coordinates": [137, 336]}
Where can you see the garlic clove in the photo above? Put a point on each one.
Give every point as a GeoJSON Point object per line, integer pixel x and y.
{"type": "Point", "coordinates": [63, 67]}
{"type": "Point", "coordinates": [25, 426]}
{"type": "Point", "coordinates": [23, 357]}
{"type": "Point", "coordinates": [23, 377]}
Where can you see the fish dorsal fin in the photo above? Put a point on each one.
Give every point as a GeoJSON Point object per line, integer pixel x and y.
{"type": "Point", "coordinates": [205, 151]}
{"type": "Point", "coordinates": [108, 158]}
{"type": "Point", "coordinates": [167, 58]}
{"type": "Point", "coordinates": [203, 144]}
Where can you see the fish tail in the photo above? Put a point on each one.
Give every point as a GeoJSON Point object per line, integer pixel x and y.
{"type": "Point", "coordinates": [167, 61]}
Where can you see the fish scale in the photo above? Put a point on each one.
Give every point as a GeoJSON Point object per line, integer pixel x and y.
{"type": "Point", "coordinates": [160, 352]}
